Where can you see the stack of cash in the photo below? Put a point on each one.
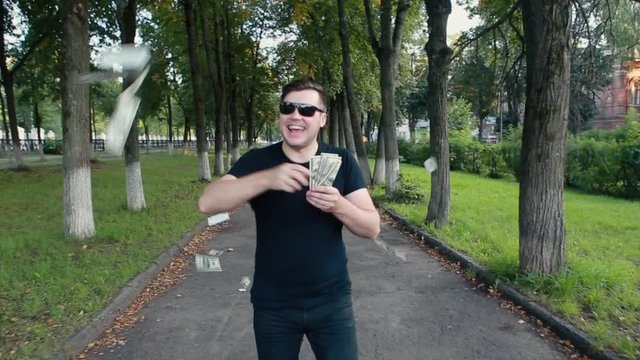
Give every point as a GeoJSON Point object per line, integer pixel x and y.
{"type": "Point", "coordinates": [324, 168]}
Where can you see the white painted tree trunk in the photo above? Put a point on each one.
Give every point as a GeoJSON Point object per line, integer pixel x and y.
{"type": "Point", "coordinates": [17, 157]}
{"type": "Point", "coordinates": [235, 153]}
{"type": "Point", "coordinates": [219, 163]}
{"type": "Point", "coordinates": [392, 175]}
{"type": "Point", "coordinates": [171, 148]}
{"type": "Point", "coordinates": [205, 170]}
{"type": "Point", "coordinates": [135, 190]}
{"type": "Point", "coordinates": [379, 167]}
{"type": "Point", "coordinates": [78, 204]}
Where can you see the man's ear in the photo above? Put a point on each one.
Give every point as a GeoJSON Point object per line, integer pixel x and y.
{"type": "Point", "coordinates": [323, 119]}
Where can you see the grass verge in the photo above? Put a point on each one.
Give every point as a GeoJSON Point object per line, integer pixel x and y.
{"type": "Point", "coordinates": [600, 290]}
{"type": "Point", "coordinates": [50, 287]}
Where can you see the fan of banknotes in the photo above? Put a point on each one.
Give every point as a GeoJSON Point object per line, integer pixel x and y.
{"type": "Point", "coordinates": [324, 168]}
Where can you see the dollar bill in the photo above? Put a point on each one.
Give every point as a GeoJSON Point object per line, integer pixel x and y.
{"type": "Point", "coordinates": [324, 168]}
{"type": "Point", "coordinates": [207, 263]}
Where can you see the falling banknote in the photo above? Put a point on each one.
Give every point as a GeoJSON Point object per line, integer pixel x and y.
{"type": "Point", "coordinates": [324, 168]}
{"type": "Point", "coordinates": [207, 263]}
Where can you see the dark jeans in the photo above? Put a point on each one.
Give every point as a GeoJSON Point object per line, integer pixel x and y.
{"type": "Point", "coordinates": [330, 329]}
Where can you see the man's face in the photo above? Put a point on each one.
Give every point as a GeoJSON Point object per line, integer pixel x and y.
{"type": "Point", "coordinates": [300, 131]}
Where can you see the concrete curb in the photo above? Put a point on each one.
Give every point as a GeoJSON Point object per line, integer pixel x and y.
{"type": "Point", "coordinates": [105, 317]}
{"type": "Point", "coordinates": [562, 328]}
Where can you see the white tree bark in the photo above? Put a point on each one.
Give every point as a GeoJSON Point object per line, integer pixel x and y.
{"type": "Point", "coordinates": [205, 170]}
{"type": "Point", "coordinates": [135, 189]}
{"type": "Point", "coordinates": [78, 204]}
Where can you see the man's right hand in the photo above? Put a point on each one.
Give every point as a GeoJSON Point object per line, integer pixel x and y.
{"type": "Point", "coordinates": [288, 177]}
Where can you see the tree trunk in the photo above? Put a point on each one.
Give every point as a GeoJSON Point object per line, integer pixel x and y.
{"type": "Point", "coordinates": [146, 136]}
{"type": "Point", "coordinates": [77, 201]}
{"type": "Point", "coordinates": [218, 89]}
{"type": "Point", "coordinates": [221, 93]}
{"type": "Point", "coordinates": [92, 125]}
{"type": "Point", "coordinates": [387, 50]}
{"type": "Point", "coordinates": [379, 167]}
{"type": "Point", "coordinates": [369, 124]}
{"type": "Point", "coordinates": [230, 61]}
{"type": "Point", "coordinates": [170, 124]}
{"type": "Point", "coordinates": [7, 82]}
{"type": "Point", "coordinates": [541, 210]}
{"type": "Point", "coordinates": [196, 83]}
{"type": "Point", "coordinates": [5, 127]}
{"type": "Point", "coordinates": [439, 55]}
{"type": "Point", "coordinates": [346, 124]}
{"type": "Point", "coordinates": [334, 123]}
{"type": "Point", "coordinates": [126, 14]}
{"type": "Point", "coordinates": [340, 120]}
{"type": "Point", "coordinates": [37, 119]}
{"type": "Point", "coordinates": [186, 136]}
{"type": "Point", "coordinates": [248, 112]}
{"type": "Point", "coordinates": [388, 124]}
{"type": "Point", "coordinates": [347, 78]}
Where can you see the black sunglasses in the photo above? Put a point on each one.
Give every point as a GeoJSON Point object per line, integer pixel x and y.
{"type": "Point", "coordinates": [287, 108]}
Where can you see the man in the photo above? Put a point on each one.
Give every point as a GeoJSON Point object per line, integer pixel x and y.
{"type": "Point", "coordinates": [301, 284]}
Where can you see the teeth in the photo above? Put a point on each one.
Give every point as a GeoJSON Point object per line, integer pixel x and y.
{"type": "Point", "coordinates": [296, 127]}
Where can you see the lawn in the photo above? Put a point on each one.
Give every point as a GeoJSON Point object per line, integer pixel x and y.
{"type": "Point", "coordinates": [50, 287]}
{"type": "Point", "coordinates": [600, 290]}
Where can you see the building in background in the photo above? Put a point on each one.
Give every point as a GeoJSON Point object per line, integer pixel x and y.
{"type": "Point", "coordinates": [614, 101]}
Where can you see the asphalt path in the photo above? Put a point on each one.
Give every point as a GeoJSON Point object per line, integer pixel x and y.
{"type": "Point", "coordinates": [407, 306]}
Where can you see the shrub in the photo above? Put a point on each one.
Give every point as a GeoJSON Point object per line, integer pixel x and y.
{"type": "Point", "coordinates": [494, 161]}
{"type": "Point", "coordinates": [52, 147]}
{"type": "Point", "coordinates": [371, 148]}
{"type": "Point", "coordinates": [408, 193]}
{"type": "Point", "coordinates": [510, 149]}
{"type": "Point", "coordinates": [465, 153]}
{"type": "Point", "coordinates": [606, 162]}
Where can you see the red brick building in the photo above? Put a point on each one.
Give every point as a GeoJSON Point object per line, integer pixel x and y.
{"type": "Point", "coordinates": [614, 101]}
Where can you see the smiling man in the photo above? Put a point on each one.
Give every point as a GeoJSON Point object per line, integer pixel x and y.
{"type": "Point", "coordinates": [301, 283]}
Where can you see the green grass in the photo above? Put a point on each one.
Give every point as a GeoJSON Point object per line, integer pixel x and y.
{"type": "Point", "coordinates": [50, 287]}
{"type": "Point", "coordinates": [600, 290]}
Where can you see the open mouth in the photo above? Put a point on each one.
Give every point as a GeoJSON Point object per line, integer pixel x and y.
{"type": "Point", "coordinates": [295, 129]}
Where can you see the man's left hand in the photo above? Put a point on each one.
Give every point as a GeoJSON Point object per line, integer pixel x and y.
{"type": "Point", "coordinates": [324, 198]}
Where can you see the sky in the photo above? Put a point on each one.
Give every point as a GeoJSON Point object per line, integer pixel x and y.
{"type": "Point", "coordinates": [459, 19]}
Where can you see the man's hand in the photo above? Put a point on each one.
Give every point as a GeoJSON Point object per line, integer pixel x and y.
{"type": "Point", "coordinates": [288, 177]}
{"type": "Point", "coordinates": [324, 198]}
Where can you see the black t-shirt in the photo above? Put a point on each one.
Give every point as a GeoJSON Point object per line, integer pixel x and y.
{"type": "Point", "coordinates": [300, 257]}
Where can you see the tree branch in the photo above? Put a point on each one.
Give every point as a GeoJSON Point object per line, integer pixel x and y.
{"type": "Point", "coordinates": [372, 34]}
{"type": "Point", "coordinates": [401, 14]}
{"type": "Point", "coordinates": [465, 41]}
{"type": "Point", "coordinates": [26, 55]}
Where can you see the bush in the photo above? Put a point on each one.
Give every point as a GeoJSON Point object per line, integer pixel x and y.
{"type": "Point", "coordinates": [510, 149]}
{"type": "Point", "coordinates": [371, 148]}
{"type": "Point", "coordinates": [408, 193]}
{"type": "Point", "coordinates": [606, 163]}
{"type": "Point", "coordinates": [404, 149]}
{"type": "Point", "coordinates": [52, 147]}
{"type": "Point", "coordinates": [494, 161]}
{"type": "Point", "coordinates": [465, 153]}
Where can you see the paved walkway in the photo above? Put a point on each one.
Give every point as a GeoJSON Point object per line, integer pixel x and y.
{"type": "Point", "coordinates": [407, 307]}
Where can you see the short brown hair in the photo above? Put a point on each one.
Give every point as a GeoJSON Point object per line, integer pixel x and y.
{"type": "Point", "coordinates": [303, 84]}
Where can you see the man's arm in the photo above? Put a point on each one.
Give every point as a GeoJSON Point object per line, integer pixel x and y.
{"type": "Point", "coordinates": [355, 210]}
{"type": "Point", "coordinates": [230, 192]}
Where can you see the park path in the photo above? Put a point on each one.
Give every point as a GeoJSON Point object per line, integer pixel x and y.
{"type": "Point", "coordinates": [407, 306]}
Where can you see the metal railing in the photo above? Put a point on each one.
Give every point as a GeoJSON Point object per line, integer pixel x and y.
{"type": "Point", "coordinates": [97, 144]}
